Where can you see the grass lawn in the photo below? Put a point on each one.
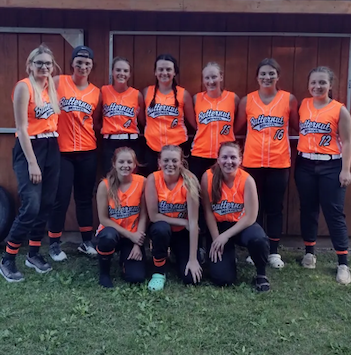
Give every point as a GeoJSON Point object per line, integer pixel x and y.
{"type": "Point", "coordinates": [66, 312]}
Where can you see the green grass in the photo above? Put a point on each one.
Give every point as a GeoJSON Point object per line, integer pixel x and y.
{"type": "Point", "coordinates": [66, 312]}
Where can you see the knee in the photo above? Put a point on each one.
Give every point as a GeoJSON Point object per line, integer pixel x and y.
{"type": "Point", "coordinates": [108, 238]}
{"type": "Point", "coordinates": [160, 231]}
{"type": "Point", "coordinates": [221, 277]}
{"type": "Point", "coordinates": [30, 207]}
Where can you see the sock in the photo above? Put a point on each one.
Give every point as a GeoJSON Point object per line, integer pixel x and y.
{"type": "Point", "coordinates": [87, 233]}
{"type": "Point", "coordinates": [55, 237]}
{"type": "Point", "coordinates": [159, 266]}
{"type": "Point", "coordinates": [34, 246]}
{"type": "Point", "coordinates": [11, 251]}
{"type": "Point", "coordinates": [261, 271]}
{"type": "Point", "coordinates": [342, 259]}
{"type": "Point", "coordinates": [273, 246]}
{"type": "Point", "coordinates": [309, 249]}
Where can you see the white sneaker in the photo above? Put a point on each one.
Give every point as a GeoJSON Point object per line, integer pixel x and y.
{"type": "Point", "coordinates": [56, 253]}
{"type": "Point", "coordinates": [249, 260]}
{"type": "Point", "coordinates": [275, 261]}
{"type": "Point", "coordinates": [309, 261]}
{"type": "Point", "coordinates": [343, 275]}
{"type": "Point", "coordinates": [87, 248]}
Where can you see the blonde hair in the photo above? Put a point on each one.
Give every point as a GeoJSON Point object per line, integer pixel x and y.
{"type": "Point", "coordinates": [217, 179]}
{"type": "Point", "coordinates": [51, 85]}
{"type": "Point", "coordinates": [190, 181]}
{"type": "Point", "coordinates": [213, 64]}
{"type": "Point", "coordinates": [112, 175]}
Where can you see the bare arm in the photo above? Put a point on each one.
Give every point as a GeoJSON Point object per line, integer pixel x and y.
{"type": "Point", "coordinates": [141, 113]}
{"type": "Point", "coordinates": [97, 115]}
{"type": "Point", "coordinates": [294, 115]}
{"type": "Point", "coordinates": [143, 217]}
{"type": "Point", "coordinates": [345, 136]}
{"type": "Point", "coordinates": [189, 110]}
{"type": "Point", "coordinates": [193, 215]}
{"type": "Point", "coordinates": [206, 204]}
{"type": "Point", "coordinates": [152, 205]}
{"type": "Point", "coordinates": [20, 108]}
{"type": "Point", "coordinates": [241, 119]}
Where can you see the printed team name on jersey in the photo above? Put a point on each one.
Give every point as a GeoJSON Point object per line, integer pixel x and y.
{"type": "Point", "coordinates": [117, 110]}
{"type": "Point", "coordinates": [225, 207]}
{"type": "Point", "coordinates": [314, 127]}
{"type": "Point", "coordinates": [162, 110]}
{"type": "Point", "coordinates": [73, 104]}
{"type": "Point", "coordinates": [262, 122]}
{"type": "Point", "coordinates": [165, 207]}
{"type": "Point", "coordinates": [214, 116]}
{"type": "Point", "coordinates": [123, 212]}
{"type": "Point", "coordinates": [44, 112]}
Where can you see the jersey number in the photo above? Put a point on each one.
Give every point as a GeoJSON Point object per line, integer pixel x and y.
{"type": "Point", "coordinates": [225, 130]}
{"type": "Point", "coordinates": [127, 124]}
{"type": "Point", "coordinates": [325, 141]}
{"type": "Point", "coordinates": [174, 123]}
{"type": "Point", "coordinates": [279, 134]}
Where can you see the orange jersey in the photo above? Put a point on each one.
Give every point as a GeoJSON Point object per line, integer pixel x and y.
{"type": "Point", "coordinates": [119, 110]}
{"type": "Point", "coordinates": [164, 122]}
{"type": "Point", "coordinates": [171, 203]}
{"type": "Point", "coordinates": [215, 120]}
{"type": "Point", "coordinates": [128, 212]}
{"type": "Point", "coordinates": [319, 128]}
{"type": "Point", "coordinates": [231, 207]}
{"type": "Point", "coordinates": [40, 119]}
{"type": "Point", "coordinates": [267, 141]}
{"type": "Point", "coordinates": [75, 125]}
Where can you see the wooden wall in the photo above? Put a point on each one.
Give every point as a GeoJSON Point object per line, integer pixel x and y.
{"type": "Point", "coordinates": [238, 55]}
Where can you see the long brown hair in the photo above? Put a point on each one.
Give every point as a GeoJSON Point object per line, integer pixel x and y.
{"type": "Point", "coordinates": [217, 172]}
{"type": "Point", "coordinates": [190, 181]}
{"type": "Point", "coordinates": [112, 175]}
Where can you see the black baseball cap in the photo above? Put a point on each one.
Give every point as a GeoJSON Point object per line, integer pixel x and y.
{"type": "Point", "coordinates": [83, 51]}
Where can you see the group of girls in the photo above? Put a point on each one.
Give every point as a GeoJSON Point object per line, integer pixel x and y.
{"type": "Point", "coordinates": [241, 197]}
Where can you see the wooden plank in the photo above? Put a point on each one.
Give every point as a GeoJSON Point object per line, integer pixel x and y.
{"type": "Point", "coordinates": [8, 78]}
{"type": "Point", "coordinates": [213, 50]}
{"type": "Point", "coordinates": [168, 21]}
{"type": "Point", "coordinates": [224, 6]}
{"type": "Point", "coordinates": [235, 71]}
{"type": "Point", "coordinates": [122, 21]}
{"type": "Point", "coordinates": [144, 59]}
{"type": "Point", "coordinates": [259, 48]}
{"type": "Point", "coordinates": [285, 22]}
{"type": "Point", "coordinates": [123, 46]}
{"type": "Point", "coordinates": [29, 18]}
{"type": "Point", "coordinates": [53, 18]}
{"type": "Point", "coordinates": [168, 45]}
{"type": "Point", "coordinates": [26, 43]}
{"type": "Point", "coordinates": [7, 176]}
{"type": "Point", "coordinates": [344, 65]}
{"type": "Point", "coordinates": [191, 63]}
{"type": "Point", "coordinates": [237, 22]}
{"type": "Point", "coordinates": [56, 44]}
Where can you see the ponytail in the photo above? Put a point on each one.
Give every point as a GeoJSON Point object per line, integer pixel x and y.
{"type": "Point", "coordinates": [174, 88]}
{"type": "Point", "coordinates": [217, 181]}
{"type": "Point", "coordinates": [153, 101]}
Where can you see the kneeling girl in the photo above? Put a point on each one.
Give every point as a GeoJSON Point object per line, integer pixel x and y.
{"type": "Point", "coordinates": [123, 217]}
{"type": "Point", "coordinates": [172, 199]}
{"type": "Point", "coordinates": [231, 206]}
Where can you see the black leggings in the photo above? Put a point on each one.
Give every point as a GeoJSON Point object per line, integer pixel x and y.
{"type": "Point", "coordinates": [133, 271]}
{"type": "Point", "coordinates": [254, 239]}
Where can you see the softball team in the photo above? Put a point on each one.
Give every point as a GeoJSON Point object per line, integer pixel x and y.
{"type": "Point", "coordinates": [235, 191]}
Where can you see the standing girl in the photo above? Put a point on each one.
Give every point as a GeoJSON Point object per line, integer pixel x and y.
{"type": "Point", "coordinates": [268, 113]}
{"type": "Point", "coordinates": [79, 101]}
{"type": "Point", "coordinates": [123, 218]}
{"type": "Point", "coordinates": [36, 161]}
{"type": "Point", "coordinates": [323, 168]}
{"type": "Point", "coordinates": [215, 110]}
{"type": "Point", "coordinates": [172, 199]}
{"type": "Point", "coordinates": [166, 105]}
{"type": "Point", "coordinates": [122, 108]}
{"type": "Point", "coordinates": [230, 202]}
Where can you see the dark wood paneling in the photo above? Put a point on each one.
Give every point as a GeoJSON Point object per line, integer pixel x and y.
{"type": "Point", "coordinates": [123, 46]}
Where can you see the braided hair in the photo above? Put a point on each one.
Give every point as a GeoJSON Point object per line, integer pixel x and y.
{"type": "Point", "coordinates": [169, 58]}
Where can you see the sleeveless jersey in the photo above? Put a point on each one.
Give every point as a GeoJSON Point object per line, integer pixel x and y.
{"type": "Point", "coordinates": [119, 110]}
{"type": "Point", "coordinates": [40, 119]}
{"type": "Point", "coordinates": [215, 120]}
{"type": "Point", "coordinates": [267, 141]}
{"type": "Point", "coordinates": [164, 122]}
{"type": "Point", "coordinates": [127, 214]}
{"type": "Point", "coordinates": [171, 203]}
{"type": "Point", "coordinates": [319, 128]}
{"type": "Point", "coordinates": [75, 125]}
{"type": "Point", "coordinates": [230, 208]}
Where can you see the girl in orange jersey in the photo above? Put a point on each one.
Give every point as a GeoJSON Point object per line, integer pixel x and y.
{"type": "Point", "coordinates": [123, 218]}
{"type": "Point", "coordinates": [79, 103]}
{"type": "Point", "coordinates": [36, 161]}
{"type": "Point", "coordinates": [230, 202]}
{"type": "Point", "coordinates": [172, 199]}
{"type": "Point", "coordinates": [122, 109]}
{"type": "Point", "coordinates": [166, 104]}
{"type": "Point", "coordinates": [322, 170]}
{"type": "Point", "coordinates": [268, 113]}
{"type": "Point", "coordinates": [215, 109]}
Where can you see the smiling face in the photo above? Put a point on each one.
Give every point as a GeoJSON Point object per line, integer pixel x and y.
{"type": "Point", "coordinates": [229, 159]}
{"type": "Point", "coordinates": [124, 164]}
{"type": "Point", "coordinates": [319, 85]}
{"type": "Point", "coordinates": [165, 71]}
{"type": "Point", "coordinates": [121, 72]}
{"type": "Point", "coordinates": [170, 162]}
{"type": "Point", "coordinates": [267, 77]}
{"type": "Point", "coordinates": [82, 66]}
{"type": "Point", "coordinates": [212, 78]}
{"type": "Point", "coordinates": [42, 66]}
